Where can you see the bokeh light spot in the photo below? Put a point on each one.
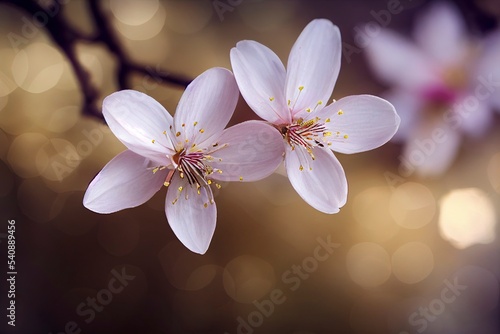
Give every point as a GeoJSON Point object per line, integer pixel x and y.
{"type": "Point", "coordinates": [412, 205]}
{"type": "Point", "coordinates": [93, 65]}
{"type": "Point", "coordinates": [142, 29]}
{"type": "Point", "coordinates": [412, 262]}
{"type": "Point", "coordinates": [182, 268]}
{"type": "Point", "coordinates": [467, 217]}
{"type": "Point", "coordinates": [247, 278]}
{"type": "Point", "coordinates": [202, 277]}
{"type": "Point", "coordinates": [57, 159]}
{"type": "Point", "coordinates": [368, 264]}
{"type": "Point", "coordinates": [133, 12]}
{"type": "Point", "coordinates": [7, 84]}
{"type": "Point", "coordinates": [23, 151]}
{"type": "Point", "coordinates": [37, 68]}
{"type": "Point", "coordinates": [371, 211]}
{"type": "Point", "coordinates": [63, 119]}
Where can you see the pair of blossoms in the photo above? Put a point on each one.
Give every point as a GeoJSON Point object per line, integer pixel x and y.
{"type": "Point", "coordinates": [191, 152]}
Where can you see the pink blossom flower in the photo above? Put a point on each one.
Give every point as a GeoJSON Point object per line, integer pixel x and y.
{"type": "Point", "coordinates": [187, 153]}
{"type": "Point", "coordinates": [294, 101]}
{"type": "Point", "coordinates": [444, 85]}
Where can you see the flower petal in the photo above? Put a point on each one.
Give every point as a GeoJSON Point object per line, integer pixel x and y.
{"type": "Point", "coordinates": [206, 106]}
{"type": "Point", "coordinates": [254, 150]}
{"type": "Point", "coordinates": [440, 32]}
{"type": "Point", "coordinates": [429, 154]}
{"type": "Point", "coordinates": [397, 61]}
{"type": "Point", "coordinates": [408, 106]}
{"type": "Point", "coordinates": [487, 71]}
{"type": "Point", "coordinates": [324, 187]}
{"type": "Point", "coordinates": [361, 123]}
{"type": "Point", "coordinates": [125, 182]}
{"type": "Point", "coordinates": [137, 119]}
{"type": "Point", "coordinates": [313, 65]}
{"type": "Point", "coordinates": [477, 119]}
{"type": "Point", "coordinates": [191, 216]}
{"type": "Point", "coordinates": [261, 78]}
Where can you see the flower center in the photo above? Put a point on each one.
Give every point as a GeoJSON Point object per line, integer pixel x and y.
{"type": "Point", "coordinates": [442, 96]}
{"type": "Point", "coordinates": [191, 165]}
{"type": "Point", "coordinates": [303, 136]}
{"type": "Point", "coordinates": [306, 134]}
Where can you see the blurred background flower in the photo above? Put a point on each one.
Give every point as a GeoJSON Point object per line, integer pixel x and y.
{"type": "Point", "coordinates": [404, 255]}
{"type": "Point", "coordinates": [445, 83]}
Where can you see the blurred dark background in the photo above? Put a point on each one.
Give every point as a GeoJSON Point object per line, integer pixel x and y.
{"type": "Point", "coordinates": [404, 261]}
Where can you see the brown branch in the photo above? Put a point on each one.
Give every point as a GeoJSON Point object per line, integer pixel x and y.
{"type": "Point", "coordinates": [66, 36]}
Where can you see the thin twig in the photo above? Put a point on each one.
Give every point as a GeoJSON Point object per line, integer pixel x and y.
{"type": "Point", "coordinates": [66, 36]}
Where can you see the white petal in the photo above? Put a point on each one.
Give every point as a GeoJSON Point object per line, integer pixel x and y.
{"type": "Point", "coordinates": [324, 187]}
{"type": "Point", "coordinates": [363, 122]}
{"type": "Point", "coordinates": [125, 182]}
{"type": "Point", "coordinates": [397, 61]}
{"type": "Point", "coordinates": [206, 106]}
{"type": "Point", "coordinates": [191, 216]}
{"type": "Point", "coordinates": [261, 78]}
{"type": "Point", "coordinates": [440, 32]}
{"type": "Point", "coordinates": [137, 119]}
{"type": "Point", "coordinates": [408, 106]}
{"type": "Point", "coordinates": [431, 150]}
{"type": "Point", "coordinates": [250, 151]}
{"type": "Point", "coordinates": [313, 65]}
{"type": "Point", "coordinates": [477, 117]}
{"type": "Point", "coordinates": [487, 71]}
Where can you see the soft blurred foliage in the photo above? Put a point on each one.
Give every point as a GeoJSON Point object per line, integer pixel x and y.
{"type": "Point", "coordinates": [411, 255]}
